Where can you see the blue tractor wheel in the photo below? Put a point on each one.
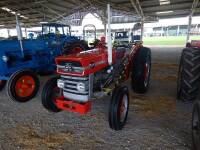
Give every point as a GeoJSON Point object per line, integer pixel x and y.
{"type": "Point", "coordinates": [23, 86]}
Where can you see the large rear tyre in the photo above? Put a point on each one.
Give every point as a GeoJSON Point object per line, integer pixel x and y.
{"type": "Point", "coordinates": [23, 86]}
{"type": "Point", "coordinates": [49, 94]}
{"type": "Point", "coordinates": [118, 110]}
{"type": "Point", "coordinates": [196, 126]}
{"type": "Point", "coordinates": [73, 48]}
{"type": "Point", "coordinates": [188, 75]}
{"type": "Point", "coordinates": [2, 84]}
{"type": "Point", "coordinates": [141, 70]}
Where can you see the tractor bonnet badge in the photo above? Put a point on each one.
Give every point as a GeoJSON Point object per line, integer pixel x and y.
{"type": "Point", "coordinates": [68, 67]}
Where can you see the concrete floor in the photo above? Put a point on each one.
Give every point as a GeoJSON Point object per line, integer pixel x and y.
{"type": "Point", "coordinates": [156, 120]}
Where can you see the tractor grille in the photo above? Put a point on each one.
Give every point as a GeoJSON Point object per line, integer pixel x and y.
{"type": "Point", "coordinates": [73, 88]}
{"type": "Point", "coordinates": [71, 66]}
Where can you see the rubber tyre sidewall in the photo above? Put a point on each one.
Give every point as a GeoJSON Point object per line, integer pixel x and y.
{"type": "Point", "coordinates": [46, 94]}
{"type": "Point", "coordinates": [179, 80]}
{"type": "Point", "coordinates": [195, 108]}
{"type": "Point", "coordinates": [114, 119]}
{"type": "Point", "coordinates": [12, 82]}
{"type": "Point", "coordinates": [138, 70]}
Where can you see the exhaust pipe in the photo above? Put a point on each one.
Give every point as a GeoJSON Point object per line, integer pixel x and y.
{"type": "Point", "coordinates": [19, 34]}
{"type": "Point", "coordinates": [109, 39]}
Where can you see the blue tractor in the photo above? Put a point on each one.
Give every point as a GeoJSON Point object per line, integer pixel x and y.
{"type": "Point", "coordinates": [21, 60]}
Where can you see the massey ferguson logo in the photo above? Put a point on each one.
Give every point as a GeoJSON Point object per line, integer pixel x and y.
{"type": "Point", "coordinates": [68, 67]}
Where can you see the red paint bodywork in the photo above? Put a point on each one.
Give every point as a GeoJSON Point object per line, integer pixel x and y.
{"type": "Point", "coordinates": [72, 106]}
{"type": "Point", "coordinates": [100, 54]}
{"type": "Point", "coordinates": [195, 43]}
{"type": "Point", "coordinates": [86, 58]}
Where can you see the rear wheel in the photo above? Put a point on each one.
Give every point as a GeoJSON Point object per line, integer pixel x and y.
{"type": "Point", "coordinates": [196, 126]}
{"type": "Point", "coordinates": [189, 75]}
{"type": "Point", "coordinates": [141, 70]}
{"type": "Point", "coordinates": [49, 94]}
{"type": "Point", "coordinates": [23, 86]}
{"type": "Point", "coordinates": [2, 84]}
{"type": "Point", "coordinates": [118, 110]}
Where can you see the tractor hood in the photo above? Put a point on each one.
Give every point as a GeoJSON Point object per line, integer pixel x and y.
{"type": "Point", "coordinates": [84, 63]}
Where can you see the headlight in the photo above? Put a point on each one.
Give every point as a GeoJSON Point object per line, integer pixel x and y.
{"type": "Point", "coordinates": [5, 58]}
{"type": "Point", "coordinates": [81, 87]}
{"type": "Point", "coordinates": [60, 84]}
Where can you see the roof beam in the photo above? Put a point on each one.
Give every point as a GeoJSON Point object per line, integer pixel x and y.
{"type": "Point", "coordinates": [194, 6]}
{"type": "Point", "coordinates": [162, 8]}
{"type": "Point", "coordinates": [136, 5]}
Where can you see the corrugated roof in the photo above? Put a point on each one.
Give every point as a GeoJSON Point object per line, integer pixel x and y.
{"type": "Point", "coordinates": [32, 12]}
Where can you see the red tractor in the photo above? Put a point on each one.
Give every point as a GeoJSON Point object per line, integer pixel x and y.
{"type": "Point", "coordinates": [87, 75]}
{"type": "Point", "coordinates": [96, 73]}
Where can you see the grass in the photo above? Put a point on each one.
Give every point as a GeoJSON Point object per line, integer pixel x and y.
{"type": "Point", "coordinates": [168, 40]}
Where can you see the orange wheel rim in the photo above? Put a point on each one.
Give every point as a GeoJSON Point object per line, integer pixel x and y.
{"type": "Point", "coordinates": [25, 86]}
{"type": "Point", "coordinates": [76, 50]}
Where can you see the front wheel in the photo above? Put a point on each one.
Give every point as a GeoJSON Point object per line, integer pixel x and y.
{"type": "Point", "coordinates": [23, 86]}
{"type": "Point", "coordinates": [49, 94]}
{"type": "Point", "coordinates": [118, 110]}
{"type": "Point", "coordinates": [141, 70]}
{"type": "Point", "coordinates": [196, 126]}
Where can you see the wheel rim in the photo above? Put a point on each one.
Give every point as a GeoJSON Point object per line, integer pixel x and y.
{"type": "Point", "coordinates": [123, 108]}
{"type": "Point", "coordinates": [196, 129]}
{"type": "Point", "coordinates": [76, 50]}
{"type": "Point", "coordinates": [25, 86]}
{"type": "Point", "coordinates": [146, 73]}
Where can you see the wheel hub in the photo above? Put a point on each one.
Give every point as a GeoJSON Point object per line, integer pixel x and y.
{"type": "Point", "coordinates": [25, 86]}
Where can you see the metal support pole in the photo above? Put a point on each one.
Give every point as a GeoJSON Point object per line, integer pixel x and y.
{"type": "Point", "coordinates": [142, 28]}
{"type": "Point", "coordinates": [8, 32]}
{"type": "Point", "coordinates": [19, 34]}
{"type": "Point", "coordinates": [26, 32]}
{"type": "Point", "coordinates": [162, 31]}
{"type": "Point", "coordinates": [189, 28]}
{"type": "Point", "coordinates": [109, 40]}
{"type": "Point", "coordinates": [104, 24]}
{"type": "Point", "coordinates": [178, 30]}
{"type": "Point", "coordinates": [167, 31]}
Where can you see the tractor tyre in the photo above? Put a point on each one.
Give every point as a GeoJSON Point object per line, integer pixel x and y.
{"type": "Point", "coordinates": [23, 86]}
{"type": "Point", "coordinates": [49, 94]}
{"type": "Point", "coordinates": [73, 48]}
{"type": "Point", "coordinates": [196, 126]}
{"type": "Point", "coordinates": [141, 70]}
{"type": "Point", "coordinates": [118, 109]}
{"type": "Point", "coordinates": [2, 84]}
{"type": "Point", "coordinates": [188, 75]}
